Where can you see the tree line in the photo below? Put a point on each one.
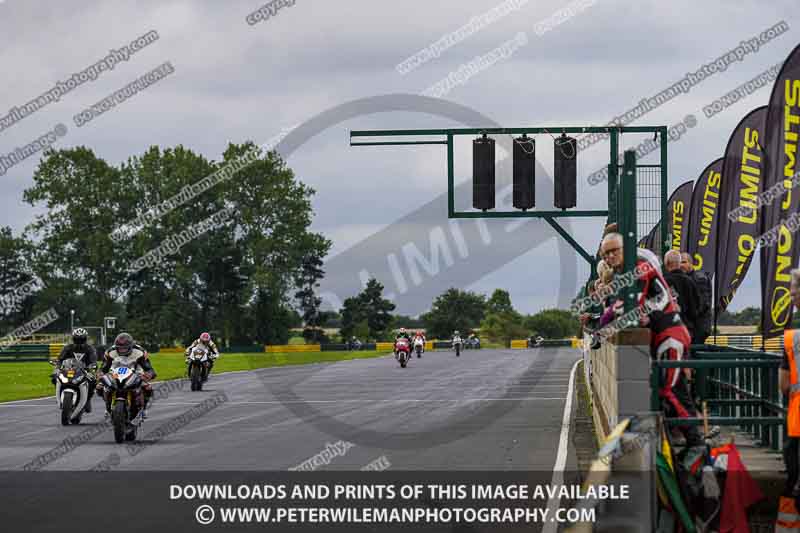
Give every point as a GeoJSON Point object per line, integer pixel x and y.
{"type": "Point", "coordinates": [237, 281]}
{"type": "Point", "coordinates": [368, 316]}
{"type": "Point", "coordinates": [249, 280]}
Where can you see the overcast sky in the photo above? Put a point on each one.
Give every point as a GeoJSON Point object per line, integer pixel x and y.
{"type": "Point", "coordinates": [234, 81]}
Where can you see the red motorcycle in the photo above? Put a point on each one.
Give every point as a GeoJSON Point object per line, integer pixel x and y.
{"type": "Point", "coordinates": [402, 350]}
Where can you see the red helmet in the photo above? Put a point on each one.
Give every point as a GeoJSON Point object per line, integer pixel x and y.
{"type": "Point", "coordinates": [205, 336]}
{"type": "Point", "coordinates": [419, 333]}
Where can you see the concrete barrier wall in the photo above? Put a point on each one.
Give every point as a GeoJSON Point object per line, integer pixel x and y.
{"type": "Point", "coordinates": [604, 388]}
{"type": "Point", "coordinates": [620, 380]}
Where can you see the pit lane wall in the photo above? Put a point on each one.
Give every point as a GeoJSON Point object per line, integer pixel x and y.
{"type": "Point", "coordinates": [618, 385]}
{"type": "Point", "coordinates": [618, 379]}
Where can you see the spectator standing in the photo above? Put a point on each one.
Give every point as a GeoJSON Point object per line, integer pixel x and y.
{"type": "Point", "coordinates": [684, 289]}
{"type": "Point", "coordinates": [702, 327]}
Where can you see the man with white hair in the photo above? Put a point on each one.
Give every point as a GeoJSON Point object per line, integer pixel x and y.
{"type": "Point", "coordinates": [669, 337]}
{"type": "Point", "coordinates": [788, 515]}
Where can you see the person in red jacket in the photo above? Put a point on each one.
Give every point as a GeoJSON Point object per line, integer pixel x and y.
{"type": "Point", "coordinates": [669, 338]}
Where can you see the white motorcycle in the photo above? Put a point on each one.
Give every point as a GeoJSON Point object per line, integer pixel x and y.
{"type": "Point", "coordinates": [198, 363]}
{"type": "Point", "coordinates": [419, 346]}
{"type": "Point", "coordinates": [72, 388]}
{"type": "Point", "coordinates": [457, 343]}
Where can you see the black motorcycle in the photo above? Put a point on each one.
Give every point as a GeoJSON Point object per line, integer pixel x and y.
{"type": "Point", "coordinates": [73, 389]}
{"type": "Point", "coordinates": [124, 400]}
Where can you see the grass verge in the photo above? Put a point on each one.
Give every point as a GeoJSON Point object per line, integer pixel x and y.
{"type": "Point", "coordinates": [22, 381]}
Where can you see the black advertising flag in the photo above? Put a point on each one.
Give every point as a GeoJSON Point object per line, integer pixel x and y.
{"type": "Point", "coordinates": [702, 237]}
{"type": "Point", "coordinates": [651, 240]}
{"type": "Point", "coordinates": [738, 224]}
{"type": "Point", "coordinates": [678, 216]}
{"type": "Point", "coordinates": [780, 211]}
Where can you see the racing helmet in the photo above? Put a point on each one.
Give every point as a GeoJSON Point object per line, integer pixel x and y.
{"type": "Point", "coordinates": [205, 337]}
{"type": "Point", "coordinates": [79, 336]}
{"type": "Point", "coordinates": [124, 344]}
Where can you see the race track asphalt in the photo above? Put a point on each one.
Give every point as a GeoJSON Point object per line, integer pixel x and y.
{"type": "Point", "coordinates": [485, 410]}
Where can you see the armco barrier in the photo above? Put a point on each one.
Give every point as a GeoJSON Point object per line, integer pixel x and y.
{"type": "Point", "coordinates": [572, 343]}
{"type": "Point", "coordinates": [26, 353]}
{"type": "Point", "coordinates": [171, 349]}
{"type": "Point", "coordinates": [750, 342]}
{"type": "Point", "coordinates": [520, 344]}
{"type": "Point", "coordinates": [248, 348]}
{"type": "Point", "coordinates": [292, 348]}
{"type": "Point", "coordinates": [334, 347]}
{"type": "Point", "coordinates": [295, 348]}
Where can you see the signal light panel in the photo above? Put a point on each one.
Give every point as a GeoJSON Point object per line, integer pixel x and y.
{"type": "Point", "coordinates": [524, 172]}
{"type": "Point", "coordinates": [483, 173]}
{"type": "Point", "coordinates": [565, 172]}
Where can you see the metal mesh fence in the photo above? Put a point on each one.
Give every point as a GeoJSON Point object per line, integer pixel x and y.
{"type": "Point", "coordinates": [648, 202]}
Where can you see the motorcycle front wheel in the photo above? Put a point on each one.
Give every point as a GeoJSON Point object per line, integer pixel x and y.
{"type": "Point", "coordinates": [66, 409]}
{"type": "Point", "coordinates": [119, 417]}
{"type": "Point", "coordinates": [197, 378]}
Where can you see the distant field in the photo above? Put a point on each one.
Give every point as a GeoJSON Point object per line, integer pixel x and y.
{"type": "Point", "coordinates": [21, 381]}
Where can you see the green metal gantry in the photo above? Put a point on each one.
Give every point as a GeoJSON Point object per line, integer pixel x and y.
{"type": "Point", "coordinates": [624, 213]}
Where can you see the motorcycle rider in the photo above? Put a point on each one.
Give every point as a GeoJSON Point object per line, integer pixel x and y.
{"type": "Point", "coordinates": [471, 340]}
{"type": "Point", "coordinates": [419, 335]}
{"type": "Point", "coordinates": [355, 344]}
{"type": "Point", "coordinates": [125, 348]}
{"type": "Point", "coordinates": [89, 357]}
{"type": "Point", "coordinates": [401, 334]}
{"type": "Point", "coordinates": [205, 341]}
{"type": "Point", "coordinates": [457, 337]}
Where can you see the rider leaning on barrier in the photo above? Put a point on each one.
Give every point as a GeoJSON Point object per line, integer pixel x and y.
{"type": "Point", "coordinates": [788, 515]}
{"type": "Point", "coordinates": [669, 338]}
{"type": "Point", "coordinates": [79, 345]}
{"type": "Point", "coordinates": [125, 349]}
{"type": "Point", "coordinates": [205, 340]}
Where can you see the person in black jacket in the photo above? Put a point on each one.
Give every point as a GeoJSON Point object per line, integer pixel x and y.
{"type": "Point", "coordinates": [684, 290]}
{"type": "Point", "coordinates": [703, 282]}
{"type": "Point", "coordinates": [81, 350]}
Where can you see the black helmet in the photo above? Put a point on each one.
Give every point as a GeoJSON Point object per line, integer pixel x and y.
{"type": "Point", "coordinates": [79, 336]}
{"type": "Point", "coordinates": [124, 344]}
